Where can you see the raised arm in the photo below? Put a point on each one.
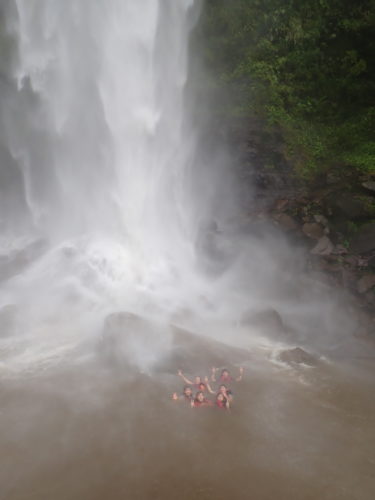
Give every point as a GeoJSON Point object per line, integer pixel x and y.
{"type": "Point", "coordinates": [239, 378]}
{"type": "Point", "coordinates": [213, 374]}
{"type": "Point", "coordinates": [208, 386]}
{"type": "Point", "coordinates": [186, 380]}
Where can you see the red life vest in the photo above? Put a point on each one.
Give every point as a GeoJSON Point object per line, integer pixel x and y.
{"type": "Point", "coordinates": [221, 404]}
{"type": "Point", "coordinates": [200, 404]}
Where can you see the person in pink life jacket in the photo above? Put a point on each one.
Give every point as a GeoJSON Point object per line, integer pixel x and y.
{"type": "Point", "coordinates": [200, 401]}
{"type": "Point", "coordinates": [205, 387]}
{"type": "Point", "coordinates": [225, 376]}
{"type": "Point", "coordinates": [227, 393]}
{"type": "Point", "coordinates": [221, 401]}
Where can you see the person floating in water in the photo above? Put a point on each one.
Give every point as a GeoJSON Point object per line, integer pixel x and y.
{"type": "Point", "coordinates": [225, 376]}
{"type": "Point", "coordinates": [221, 401]}
{"type": "Point", "coordinates": [224, 395]}
{"type": "Point", "coordinates": [187, 395]}
{"type": "Point", "coordinates": [200, 401]}
{"type": "Point", "coordinates": [227, 393]}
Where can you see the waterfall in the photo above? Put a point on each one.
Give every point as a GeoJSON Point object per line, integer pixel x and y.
{"type": "Point", "coordinates": [96, 122]}
{"type": "Point", "coordinates": [97, 155]}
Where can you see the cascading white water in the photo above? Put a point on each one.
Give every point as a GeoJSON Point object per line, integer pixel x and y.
{"type": "Point", "coordinates": [98, 131]}
{"type": "Point", "coordinates": [96, 134]}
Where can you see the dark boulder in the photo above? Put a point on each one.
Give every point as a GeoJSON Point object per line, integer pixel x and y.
{"type": "Point", "coordinates": [266, 319]}
{"type": "Point", "coordinates": [285, 221]}
{"type": "Point", "coordinates": [297, 356]}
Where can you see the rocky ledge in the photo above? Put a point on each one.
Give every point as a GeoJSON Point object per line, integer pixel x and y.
{"type": "Point", "coordinates": [333, 216]}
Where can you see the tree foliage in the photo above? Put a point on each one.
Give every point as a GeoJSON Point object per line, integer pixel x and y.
{"type": "Point", "coordinates": [306, 65]}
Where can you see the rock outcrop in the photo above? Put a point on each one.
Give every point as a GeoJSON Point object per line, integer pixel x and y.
{"type": "Point", "coordinates": [297, 356]}
{"type": "Point", "coordinates": [330, 217]}
{"type": "Point", "coordinates": [129, 341]}
{"type": "Point", "coordinates": [268, 321]}
{"type": "Point", "coordinates": [313, 230]}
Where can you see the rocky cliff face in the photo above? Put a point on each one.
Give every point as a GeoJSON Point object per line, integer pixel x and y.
{"type": "Point", "coordinates": [332, 217]}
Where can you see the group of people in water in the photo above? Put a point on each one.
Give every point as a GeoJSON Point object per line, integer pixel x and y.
{"type": "Point", "coordinates": [203, 389]}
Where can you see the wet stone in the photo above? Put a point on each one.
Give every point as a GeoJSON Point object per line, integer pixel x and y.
{"type": "Point", "coordinates": [324, 246]}
{"type": "Point", "coordinates": [370, 185]}
{"type": "Point", "coordinates": [286, 221]}
{"type": "Point", "coordinates": [297, 356]}
{"type": "Point", "coordinates": [313, 230]}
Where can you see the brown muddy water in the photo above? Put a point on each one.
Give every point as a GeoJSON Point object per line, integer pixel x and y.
{"type": "Point", "coordinates": [89, 433]}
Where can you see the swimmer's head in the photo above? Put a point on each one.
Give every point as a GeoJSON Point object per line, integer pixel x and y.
{"type": "Point", "coordinates": [223, 389]}
{"type": "Point", "coordinates": [202, 387]}
{"type": "Point", "coordinates": [199, 396]}
{"type": "Point", "coordinates": [188, 391]}
{"type": "Point", "coordinates": [225, 373]}
{"type": "Point", "coordinates": [220, 397]}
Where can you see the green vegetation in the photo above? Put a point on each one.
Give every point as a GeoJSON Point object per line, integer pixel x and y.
{"type": "Point", "coordinates": [307, 66]}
